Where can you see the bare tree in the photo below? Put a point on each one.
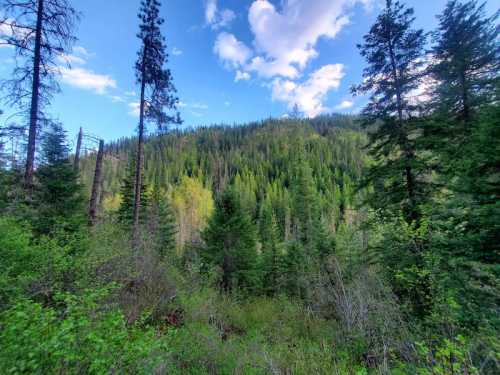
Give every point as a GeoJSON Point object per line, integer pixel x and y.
{"type": "Point", "coordinates": [96, 184]}
{"type": "Point", "coordinates": [41, 32]}
{"type": "Point", "coordinates": [78, 149]}
{"type": "Point", "coordinates": [157, 89]}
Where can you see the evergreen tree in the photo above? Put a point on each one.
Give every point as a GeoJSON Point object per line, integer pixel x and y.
{"type": "Point", "coordinates": [58, 198]}
{"type": "Point", "coordinates": [162, 222]}
{"type": "Point", "coordinates": [127, 193]}
{"type": "Point", "coordinates": [230, 240]}
{"type": "Point", "coordinates": [398, 174]}
{"type": "Point", "coordinates": [394, 52]}
{"type": "Point", "coordinates": [273, 257]}
{"type": "Point", "coordinates": [305, 205]}
{"type": "Point", "coordinates": [466, 62]}
{"type": "Point", "coordinates": [157, 89]}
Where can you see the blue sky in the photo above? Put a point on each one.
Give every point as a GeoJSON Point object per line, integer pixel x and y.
{"type": "Point", "coordinates": [233, 61]}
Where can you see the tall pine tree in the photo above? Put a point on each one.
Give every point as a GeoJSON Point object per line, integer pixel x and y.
{"type": "Point", "coordinates": [157, 89]}
{"type": "Point", "coordinates": [393, 51]}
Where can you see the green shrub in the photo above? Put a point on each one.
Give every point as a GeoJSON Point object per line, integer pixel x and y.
{"type": "Point", "coordinates": [83, 337]}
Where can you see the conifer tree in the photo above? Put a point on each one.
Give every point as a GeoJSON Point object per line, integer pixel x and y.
{"type": "Point", "coordinates": [57, 196]}
{"type": "Point", "coordinates": [127, 193]}
{"type": "Point", "coordinates": [466, 62]}
{"type": "Point", "coordinates": [157, 95]}
{"type": "Point", "coordinates": [273, 257]}
{"type": "Point", "coordinates": [393, 51]}
{"type": "Point", "coordinates": [305, 206]}
{"type": "Point", "coordinates": [162, 221]}
{"type": "Point", "coordinates": [40, 31]}
{"type": "Point", "coordinates": [230, 240]}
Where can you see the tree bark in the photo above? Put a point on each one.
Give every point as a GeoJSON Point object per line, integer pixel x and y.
{"type": "Point", "coordinates": [33, 126]}
{"type": "Point", "coordinates": [95, 185]}
{"type": "Point", "coordinates": [140, 153]}
{"type": "Point", "coordinates": [77, 152]}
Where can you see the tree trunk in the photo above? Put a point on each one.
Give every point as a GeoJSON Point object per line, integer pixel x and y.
{"type": "Point", "coordinates": [77, 152]}
{"type": "Point", "coordinates": [95, 185]}
{"type": "Point", "coordinates": [33, 126]}
{"type": "Point", "coordinates": [411, 214]}
{"type": "Point", "coordinates": [140, 153]}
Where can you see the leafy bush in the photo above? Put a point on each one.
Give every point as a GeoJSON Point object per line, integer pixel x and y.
{"type": "Point", "coordinates": [82, 337]}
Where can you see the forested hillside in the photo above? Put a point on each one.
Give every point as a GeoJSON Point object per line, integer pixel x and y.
{"type": "Point", "coordinates": [274, 165]}
{"type": "Point", "coordinates": [323, 244]}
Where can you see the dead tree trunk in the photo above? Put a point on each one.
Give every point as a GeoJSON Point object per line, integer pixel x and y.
{"type": "Point", "coordinates": [95, 185]}
{"type": "Point", "coordinates": [33, 126]}
{"type": "Point", "coordinates": [77, 152]}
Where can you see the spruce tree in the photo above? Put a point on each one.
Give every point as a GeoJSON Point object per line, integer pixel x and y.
{"type": "Point", "coordinates": [57, 196]}
{"type": "Point", "coordinates": [127, 194]}
{"type": "Point", "coordinates": [157, 89]}
{"type": "Point", "coordinates": [393, 51]}
{"type": "Point", "coordinates": [399, 176]}
{"type": "Point", "coordinates": [231, 244]}
{"type": "Point", "coordinates": [466, 62]}
{"type": "Point", "coordinates": [162, 223]}
{"type": "Point", "coordinates": [273, 255]}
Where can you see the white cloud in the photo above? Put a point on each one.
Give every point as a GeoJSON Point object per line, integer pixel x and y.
{"type": "Point", "coordinates": [194, 105]}
{"type": "Point", "coordinates": [217, 18]}
{"type": "Point", "coordinates": [79, 50]}
{"type": "Point", "coordinates": [86, 79]}
{"type": "Point", "coordinates": [241, 76]}
{"type": "Point", "coordinates": [199, 106]}
{"type": "Point", "coordinates": [130, 93]}
{"type": "Point", "coordinates": [231, 51]}
{"type": "Point", "coordinates": [64, 58]}
{"type": "Point", "coordinates": [134, 109]}
{"type": "Point", "coordinates": [287, 39]}
{"type": "Point", "coordinates": [117, 99]}
{"type": "Point", "coordinates": [310, 95]}
{"type": "Point", "coordinates": [284, 42]}
{"type": "Point", "coordinates": [345, 104]}
{"type": "Point", "coordinates": [210, 11]}
{"type": "Point", "coordinates": [226, 16]}
{"type": "Point", "coordinates": [176, 51]}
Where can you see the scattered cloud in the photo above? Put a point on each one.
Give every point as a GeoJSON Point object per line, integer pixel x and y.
{"type": "Point", "coordinates": [284, 42]}
{"type": "Point", "coordinates": [69, 59]}
{"type": "Point", "coordinates": [196, 114]}
{"type": "Point", "coordinates": [231, 51]}
{"type": "Point", "coordinates": [117, 99]}
{"type": "Point", "coordinates": [129, 93]}
{"type": "Point", "coordinates": [345, 104]}
{"type": "Point", "coordinates": [210, 11]}
{"type": "Point", "coordinates": [227, 103]}
{"type": "Point", "coordinates": [309, 96]}
{"type": "Point", "coordinates": [198, 106]}
{"type": "Point", "coordinates": [217, 18]}
{"type": "Point", "coordinates": [176, 51]}
{"type": "Point", "coordinates": [241, 76]}
{"type": "Point", "coordinates": [134, 109]}
{"type": "Point", "coordinates": [87, 79]}
{"type": "Point", "coordinates": [286, 38]}
{"type": "Point", "coordinates": [194, 105]}
{"type": "Point", "coordinates": [81, 51]}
